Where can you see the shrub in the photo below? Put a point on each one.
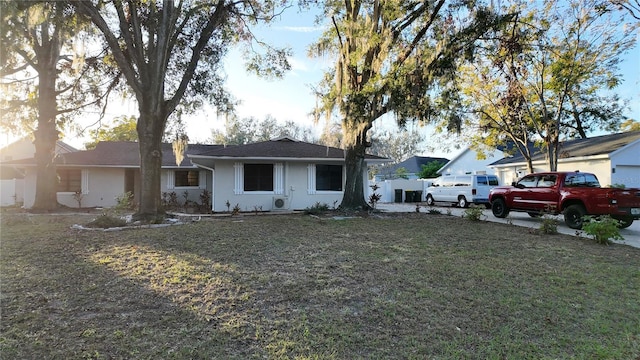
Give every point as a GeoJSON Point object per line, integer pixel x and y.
{"type": "Point", "coordinates": [125, 201]}
{"type": "Point", "coordinates": [549, 225]}
{"type": "Point", "coordinates": [170, 200]}
{"type": "Point", "coordinates": [434, 211]}
{"type": "Point", "coordinates": [317, 209]}
{"type": "Point", "coordinates": [373, 198]}
{"type": "Point", "coordinates": [205, 201]}
{"type": "Point", "coordinates": [603, 229]}
{"type": "Point", "coordinates": [473, 213]}
{"type": "Point", "coordinates": [107, 221]}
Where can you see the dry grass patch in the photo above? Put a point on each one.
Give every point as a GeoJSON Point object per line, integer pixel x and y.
{"type": "Point", "coordinates": [278, 287]}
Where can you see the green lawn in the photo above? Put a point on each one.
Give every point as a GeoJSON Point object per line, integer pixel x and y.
{"type": "Point", "coordinates": [412, 286]}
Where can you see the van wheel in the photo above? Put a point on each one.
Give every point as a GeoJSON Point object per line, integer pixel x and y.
{"type": "Point", "coordinates": [430, 201]}
{"type": "Point", "coordinates": [573, 216]}
{"type": "Point", "coordinates": [462, 202]}
{"type": "Point", "coordinates": [499, 208]}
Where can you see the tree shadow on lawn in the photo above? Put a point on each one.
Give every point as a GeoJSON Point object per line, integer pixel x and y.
{"type": "Point", "coordinates": [292, 286]}
{"type": "Point", "coordinates": [67, 300]}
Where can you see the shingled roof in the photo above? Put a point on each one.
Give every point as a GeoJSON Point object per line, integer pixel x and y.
{"type": "Point", "coordinates": [597, 145]}
{"type": "Point", "coordinates": [126, 154]}
{"type": "Point", "coordinates": [119, 154]}
{"type": "Point", "coordinates": [279, 148]}
{"type": "Point", "coordinates": [413, 165]}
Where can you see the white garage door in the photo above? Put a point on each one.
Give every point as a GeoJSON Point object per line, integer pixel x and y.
{"type": "Point", "coordinates": [629, 175]}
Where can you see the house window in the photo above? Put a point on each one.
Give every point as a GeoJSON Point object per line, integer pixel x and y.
{"type": "Point", "coordinates": [69, 180]}
{"type": "Point", "coordinates": [329, 177]}
{"type": "Point", "coordinates": [187, 178]}
{"type": "Point", "coordinates": [258, 177]}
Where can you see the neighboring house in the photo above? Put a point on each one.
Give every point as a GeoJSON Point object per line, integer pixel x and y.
{"type": "Point", "coordinates": [412, 165]}
{"type": "Point", "coordinates": [252, 176]}
{"type": "Point", "coordinates": [467, 162]}
{"type": "Point", "coordinates": [615, 159]}
{"type": "Point", "coordinates": [12, 177]}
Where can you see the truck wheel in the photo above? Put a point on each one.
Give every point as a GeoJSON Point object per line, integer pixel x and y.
{"type": "Point", "coordinates": [499, 208]}
{"type": "Point", "coordinates": [462, 202]}
{"type": "Point", "coordinates": [624, 222]}
{"type": "Point", "coordinates": [573, 216]}
{"type": "Point", "coordinates": [430, 201]}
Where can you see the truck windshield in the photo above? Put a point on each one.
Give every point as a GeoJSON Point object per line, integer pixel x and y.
{"type": "Point", "coordinates": [585, 180]}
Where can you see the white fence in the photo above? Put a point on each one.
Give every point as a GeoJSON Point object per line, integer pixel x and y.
{"type": "Point", "coordinates": [401, 190]}
{"type": "Point", "coordinates": [11, 192]}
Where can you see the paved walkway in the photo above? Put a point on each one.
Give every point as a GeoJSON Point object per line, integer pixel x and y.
{"type": "Point", "coordinates": [631, 234]}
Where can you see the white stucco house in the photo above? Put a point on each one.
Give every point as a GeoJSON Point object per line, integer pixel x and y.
{"type": "Point", "coordinates": [12, 177]}
{"type": "Point", "coordinates": [470, 162]}
{"type": "Point", "coordinates": [412, 167]}
{"type": "Point", "coordinates": [281, 174]}
{"type": "Point", "coordinates": [614, 158]}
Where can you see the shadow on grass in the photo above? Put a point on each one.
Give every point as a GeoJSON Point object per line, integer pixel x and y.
{"type": "Point", "coordinates": [293, 286]}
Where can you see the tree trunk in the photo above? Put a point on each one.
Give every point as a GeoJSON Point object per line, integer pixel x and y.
{"type": "Point", "coordinates": [46, 136]}
{"type": "Point", "coordinates": [150, 130]}
{"type": "Point", "coordinates": [354, 184]}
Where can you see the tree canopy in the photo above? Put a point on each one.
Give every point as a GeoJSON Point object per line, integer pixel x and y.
{"type": "Point", "coordinates": [396, 58]}
{"type": "Point", "coordinates": [170, 55]}
{"type": "Point", "coordinates": [123, 128]}
{"type": "Point", "coordinates": [546, 77]}
{"type": "Point", "coordinates": [250, 130]}
{"type": "Point", "coordinates": [48, 76]}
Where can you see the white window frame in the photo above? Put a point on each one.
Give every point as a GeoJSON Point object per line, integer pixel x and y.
{"type": "Point", "coordinates": [311, 180]}
{"type": "Point", "coordinates": [278, 180]}
{"type": "Point", "coordinates": [171, 180]}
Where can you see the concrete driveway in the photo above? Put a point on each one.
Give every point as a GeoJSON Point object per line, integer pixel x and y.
{"type": "Point", "coordinates": [631, 234]}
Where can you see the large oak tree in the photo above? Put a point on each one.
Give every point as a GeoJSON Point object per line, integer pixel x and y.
{"type": "Point", "coordinates": [170, 53]}
{"type": "Point", "coordinates": [48, 77]}
{"type": "Point", "coordinates": [548, 75]}
{"type": "Point", "coordinates": [395, 58]}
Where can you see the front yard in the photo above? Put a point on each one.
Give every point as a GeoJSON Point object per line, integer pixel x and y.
{"type": "Point", "coordinates": [411, 286]}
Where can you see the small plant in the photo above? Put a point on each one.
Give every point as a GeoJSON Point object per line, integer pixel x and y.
{"type": "Point", "coordinates": [78, 196]}
{"type": "Point", "coordinates": [125, 201]}
{"type": "Point", "coordinates": [433, 211]}
{"type": "Point", "coordinates": [170, 200]}
{"type": "Point", "coordinates": [205, 201]}
{"type": "Point", "coordinates": [236, 210]}
{"type": "Point", "coordinates": [603, 229]}
{"type": "Point", "coordinates": [106, 221]}
{"type": "Point", "coordinates": [473, 213]}
{"type": "Point", "coordinates": [549, 225]}
{"type": "Point", "coordinates": [317, 209]}
{"type": "Point", "coordinates": [257, 209]}
{"type": "Point", "coordinates": [228, 205]}
{"type": "Point", "coordinates": [449, 212]}
{"type": "Point", "coordinates": [373, 198]}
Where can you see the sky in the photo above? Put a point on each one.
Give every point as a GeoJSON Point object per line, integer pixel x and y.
{"type": "Point", "coordinates": [291, 98]}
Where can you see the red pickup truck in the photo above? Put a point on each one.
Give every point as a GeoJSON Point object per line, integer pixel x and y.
{"type": "Point", "coordinates": [573, 194]}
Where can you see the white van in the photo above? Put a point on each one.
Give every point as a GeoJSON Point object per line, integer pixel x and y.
{"type": "Point", "coordinates": [462, 190]}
